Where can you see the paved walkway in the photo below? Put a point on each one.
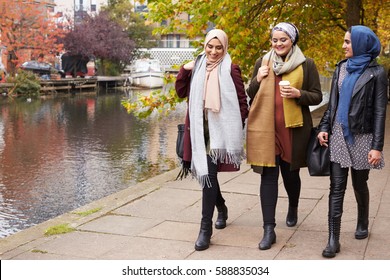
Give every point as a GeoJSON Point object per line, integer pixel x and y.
{"type": "Point", "coordinates": [159, 220]}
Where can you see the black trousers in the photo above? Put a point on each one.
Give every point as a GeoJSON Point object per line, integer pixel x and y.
{"type": "Point", "coordinates": [269, 188]}
{"type": "Point", "coordinates": [211, 196]}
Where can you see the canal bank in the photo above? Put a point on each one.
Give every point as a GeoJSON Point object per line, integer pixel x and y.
{"type": "Point", "coordinates": [158, 219]}
{"type": "Point", "coordinates": [74, 85]}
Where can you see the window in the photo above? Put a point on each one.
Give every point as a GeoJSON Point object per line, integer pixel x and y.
{"type": "Point", "coordinates": [177, 41]}
{"type": "Point", "coordinates": [170, 41]}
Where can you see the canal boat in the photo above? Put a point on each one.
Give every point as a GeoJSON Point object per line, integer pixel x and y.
{"type": "Point", "coordinates": [146, 73]}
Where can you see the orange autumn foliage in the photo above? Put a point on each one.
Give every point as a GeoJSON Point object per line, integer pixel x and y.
{"type": "Point", "coordinates": [27, 29]}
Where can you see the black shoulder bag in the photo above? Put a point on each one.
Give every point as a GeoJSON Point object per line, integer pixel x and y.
{"type": "Point", "coordinates": [180, 141]}
{"type": "Point", "coordinates": [185, 165]}
{"type": "Point", "coordinates": [318, 157]}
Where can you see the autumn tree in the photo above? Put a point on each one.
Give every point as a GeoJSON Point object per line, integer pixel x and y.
{"type": "Point", "coordinates": [100, 37]}
{"type": "Point", "coordinates": [322, 24]}
{"type": "Point", "coordinates": [26, 30]}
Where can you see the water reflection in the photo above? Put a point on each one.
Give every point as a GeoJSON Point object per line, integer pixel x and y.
{"type": "Point", "coordinates": [57, 154]}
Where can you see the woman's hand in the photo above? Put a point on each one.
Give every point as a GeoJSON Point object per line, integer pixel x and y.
{"type": "Point", "coordinates": [189, 65]}
{"type": "Point", "coordinates": [289, 92]}
{"type": "Point", "coordinates": [262, 73]}
{"type": "Point", "coordinates": [323, 138]}
{"type": "Point", "coordinates": [374, 157]}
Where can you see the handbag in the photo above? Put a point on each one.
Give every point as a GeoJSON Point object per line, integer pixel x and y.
{"type": "Point", "coordinates": [180, 141]}
{"type": "Point", "coordinates": [318, 157]}
{"type": "Point", "coordinates": [185, 165]}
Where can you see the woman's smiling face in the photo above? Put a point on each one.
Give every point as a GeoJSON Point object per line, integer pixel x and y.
{"type": "Point", "coordinates": [347, 46]}
{"type": "Point", "coordinates": [281, 43]}
{"type": "Point", "coordinates": [214, 50]}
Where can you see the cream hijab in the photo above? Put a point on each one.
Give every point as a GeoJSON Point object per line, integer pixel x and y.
{"type": "Point", "coordinates": [211, 95]}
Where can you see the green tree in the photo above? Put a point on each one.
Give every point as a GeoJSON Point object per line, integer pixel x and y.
{"type": "Point", "coordinates": [134, 24]}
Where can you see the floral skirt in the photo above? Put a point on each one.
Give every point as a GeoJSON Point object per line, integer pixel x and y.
{"type": "Point", "coordinates": [352, 155]}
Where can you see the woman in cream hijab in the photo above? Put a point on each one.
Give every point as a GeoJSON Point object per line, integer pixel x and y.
{"type": "Point", "coordinates": [213, 140]}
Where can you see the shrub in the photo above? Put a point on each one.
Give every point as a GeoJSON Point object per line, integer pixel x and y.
{"type": "Point", "coordinates": [25, 83]}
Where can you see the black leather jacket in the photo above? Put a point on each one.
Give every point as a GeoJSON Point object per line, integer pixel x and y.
{"type": "Point", "coordinates": [367, 112]}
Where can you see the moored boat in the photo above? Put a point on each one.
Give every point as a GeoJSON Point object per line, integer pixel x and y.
{"type": "Point", "coordinates": [147, 73]}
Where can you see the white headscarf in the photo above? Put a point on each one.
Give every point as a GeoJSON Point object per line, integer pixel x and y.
{"type": "Point", "coordinates": [290, 29]}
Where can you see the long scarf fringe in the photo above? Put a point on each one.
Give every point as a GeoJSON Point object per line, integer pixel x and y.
{"type": "Point", "coordinates": [184, 171]}
{"type": "Point", "coordinates": [223, 156]}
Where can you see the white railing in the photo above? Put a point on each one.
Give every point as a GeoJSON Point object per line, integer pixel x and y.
{"type": "Point", "coordinates": [170, 56]}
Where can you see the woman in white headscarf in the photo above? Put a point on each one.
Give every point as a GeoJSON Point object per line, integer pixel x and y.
{"type": "Point", "coordinates": [279, 123]}
{"type": "Point", "coordinates": [213, 139]}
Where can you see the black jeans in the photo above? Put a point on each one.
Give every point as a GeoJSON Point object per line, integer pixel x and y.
{"type": "Point", "coordinates": [211, 196]}
{"type": "Point", "coordinates": [269, 188]}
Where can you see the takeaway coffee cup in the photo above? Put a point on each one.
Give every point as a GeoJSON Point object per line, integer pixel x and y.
{"type": "Point", "coordinates": [283, 84]}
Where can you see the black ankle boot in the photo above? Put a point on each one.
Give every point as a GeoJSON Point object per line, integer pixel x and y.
{"type": "Point", "coordinates": [362, 219]}
{"type": "Point", "coordinates": [361, 230]}
{"type": "Point", "coordinates": [292, 216]}
{"type": "Point", "coordinates": [333, 245]}
{"type": "Point", "coordinates": [220, 223]}
{"type": "Point", "coordinates": [203, 241]}
{"type": "Point", "coordinates": [269, 237]}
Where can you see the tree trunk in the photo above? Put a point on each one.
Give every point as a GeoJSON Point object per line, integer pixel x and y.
{"type": "Point", "coordinates": [11, 65]}
{"type": "Point", "coordinates": [354, 12]}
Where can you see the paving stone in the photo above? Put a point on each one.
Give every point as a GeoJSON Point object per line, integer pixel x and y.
{"type": "Point", "coordinates": [140, 248]}
{"type": "Point", "coordinates": [122, 225]}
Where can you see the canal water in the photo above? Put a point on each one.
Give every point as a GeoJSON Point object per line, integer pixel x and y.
{"type": "Point", "coordinates": [59, 153]}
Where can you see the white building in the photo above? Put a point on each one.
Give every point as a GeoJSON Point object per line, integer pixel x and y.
{"type": "Point", "coordinates": [69, 6]}
{"type": "Point", "coordinates": [75, 9]}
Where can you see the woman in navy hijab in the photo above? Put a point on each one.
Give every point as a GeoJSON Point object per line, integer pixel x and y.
{"type": "Point", "coordinates": [353, 126]}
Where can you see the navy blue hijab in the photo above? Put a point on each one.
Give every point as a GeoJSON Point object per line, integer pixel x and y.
{"type": "Point", "coordinates": [365, 47]}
